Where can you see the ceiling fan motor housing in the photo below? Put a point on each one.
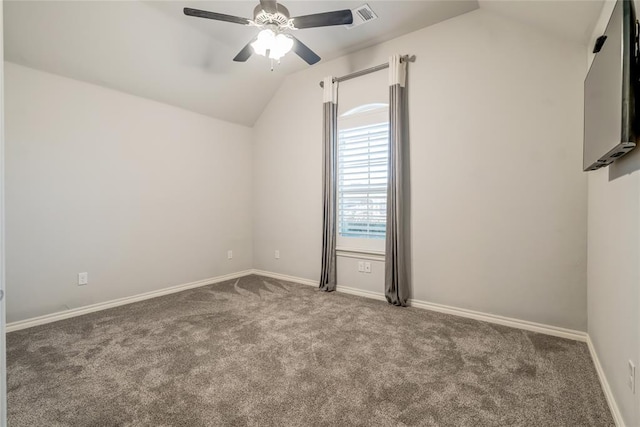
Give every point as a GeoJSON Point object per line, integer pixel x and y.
{"type": "Point", "coordinates": [281, 17]}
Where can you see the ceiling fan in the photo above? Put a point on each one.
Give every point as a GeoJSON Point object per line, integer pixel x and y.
{"type": "Point", "coordinates": [274, 40]}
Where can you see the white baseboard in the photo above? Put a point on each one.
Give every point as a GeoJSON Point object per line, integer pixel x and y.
{"type": "Point", "coordinates": [315, 283]}
{"type": "Point", "coordinates": [54, 317]}
{"type": "Point", "coordinates": [462, 312]}
{"type": "Point", "coordinates": [606, 389]}
{"type": "Point", "coordinates": [486, 317]}
{"type": "Point", "coordinates": [343, 289]}
{"type": "Point", "coordinates": [361, 293]}
{"type": "Point", "coordinates": [285, 277]}
{"type": "Point", "coordinates": [556, 331]}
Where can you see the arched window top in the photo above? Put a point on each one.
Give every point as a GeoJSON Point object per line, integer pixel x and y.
{"type": "Point", "coordinates": [366, 108]}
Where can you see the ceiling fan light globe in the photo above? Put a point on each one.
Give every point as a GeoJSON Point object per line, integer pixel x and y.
{"type": "Point", "coordinates": [266, 39]}
{"type": "Point", "coordinates": [281, 46]}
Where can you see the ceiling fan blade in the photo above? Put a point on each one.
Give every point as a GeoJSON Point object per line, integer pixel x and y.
{"type": "Point", "coordinates": [246, 52]}
{"type": "Point", "coordinates": [304, 52]}
{"type": "Point", "coordinates": [269, 6]}
{"type": "Point", "coordinates": [217, 16]}
{"type": "Point", "coordinates": [338, 17]}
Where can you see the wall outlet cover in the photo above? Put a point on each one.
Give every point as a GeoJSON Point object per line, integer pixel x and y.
{"type": "Point", "coordinates": [83, 278]}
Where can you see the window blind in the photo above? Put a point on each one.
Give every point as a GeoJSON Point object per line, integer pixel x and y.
{"type": "Point", "coordinates": [362, 181]}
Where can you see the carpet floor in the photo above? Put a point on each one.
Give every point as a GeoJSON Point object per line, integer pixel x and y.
{"type": "Point", "coordinates": [259, 351]}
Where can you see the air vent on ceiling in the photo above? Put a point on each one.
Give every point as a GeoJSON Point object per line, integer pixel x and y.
{"type": "Point", "coordinates": [362, 15]}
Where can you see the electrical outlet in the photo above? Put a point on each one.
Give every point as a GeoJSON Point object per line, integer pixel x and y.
{"type": "Point", "coordinates": [83, 278]}
{"type": "Point", "coordinates": [229, 254]}
{"type": "Point", "coordinates": [277, 254]}
{"type": "Point", "coordinates": [367, 267]}
{"type": "Point", "coordinates": [360, 266]}
{"type": "Point", "coordinates": [631, 381]}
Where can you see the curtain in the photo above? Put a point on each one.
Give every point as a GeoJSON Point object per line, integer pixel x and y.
{"type": "Point", "coordinates": [396, 280]}
{"type": "Point", "coordinates": [328, 274]}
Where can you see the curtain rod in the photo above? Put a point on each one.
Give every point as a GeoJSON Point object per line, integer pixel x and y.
{"type": "Point", "coordinates": [405, 58]}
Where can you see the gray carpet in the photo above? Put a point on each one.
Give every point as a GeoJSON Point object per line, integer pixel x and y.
{"type": "Point", "coordinates": [258, 351]}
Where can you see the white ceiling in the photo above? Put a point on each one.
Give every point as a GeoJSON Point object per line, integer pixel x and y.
{"type": "Point", "coordinates": [151, 49]}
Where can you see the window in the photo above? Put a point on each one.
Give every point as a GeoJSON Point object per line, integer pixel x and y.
{"type": "Point", "coordinates": [363, 139]}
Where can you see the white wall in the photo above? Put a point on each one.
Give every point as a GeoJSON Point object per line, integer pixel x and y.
{"type": "Point", "coordinates": [139, 194]}
{"type": "Point", "coordinates": [498, 192]}
{"type": "Point", "coordinates": [614, 267]}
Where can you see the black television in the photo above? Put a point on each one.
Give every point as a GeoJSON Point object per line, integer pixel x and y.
{"type": "Point", "coordinates": [610, 91]}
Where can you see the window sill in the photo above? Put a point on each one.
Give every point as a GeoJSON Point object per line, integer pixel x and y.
{"type": "Point", "coordinates": [367, 254]}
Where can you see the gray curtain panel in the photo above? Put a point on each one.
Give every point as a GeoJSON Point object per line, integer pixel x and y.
{"type": "Point", "coordinates": [396, 280]}
{"type": "Point", "coordinates": [328, 274]}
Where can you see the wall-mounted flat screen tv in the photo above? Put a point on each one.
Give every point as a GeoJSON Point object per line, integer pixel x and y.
{"type": "Point", "coordinates": [610, 91]}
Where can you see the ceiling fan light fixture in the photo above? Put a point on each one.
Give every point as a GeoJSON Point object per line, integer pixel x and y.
{"type": "Point", "coordinates": [271, 44]}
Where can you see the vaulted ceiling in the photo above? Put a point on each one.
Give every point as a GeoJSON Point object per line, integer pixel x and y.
{"type": "Point", "coordinates": [151, 49]}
